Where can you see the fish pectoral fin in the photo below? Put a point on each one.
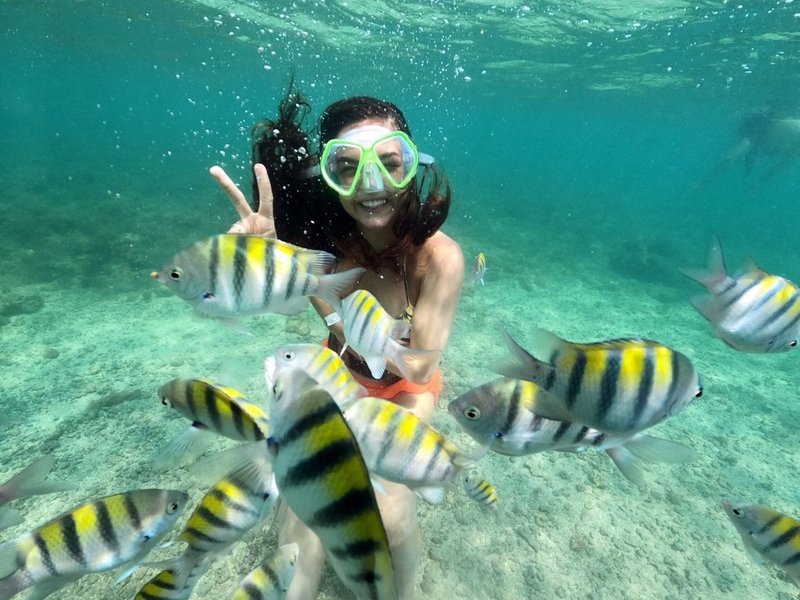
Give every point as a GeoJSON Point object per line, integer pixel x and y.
{"type": "Point", "coordinates": [377, 365]}
{"type": "Point", "coordinates": [626, 462]}
{"type": "Point", "coordinates": [184, 449]}
{"type": "Point", "coordinates": [551, 407]}
{"type": "Point", "coordinates": [431, 495]}
{"type": "Point", "coordinates": [648, 447]}
{"type": "Point", "coordinates": [44, 589]}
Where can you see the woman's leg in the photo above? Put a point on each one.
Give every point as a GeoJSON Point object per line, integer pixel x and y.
{"type": "Point", "coordinates": [399, 514]}
{"type": "Point", "coordinates": [310, 557]}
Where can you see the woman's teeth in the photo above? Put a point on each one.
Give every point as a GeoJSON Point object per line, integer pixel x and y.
{"type": "Point", "coordinates": [373, 203]}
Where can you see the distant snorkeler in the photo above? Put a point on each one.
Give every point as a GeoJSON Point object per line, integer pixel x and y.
{"type": "Point", "coordinates": [762, 133]}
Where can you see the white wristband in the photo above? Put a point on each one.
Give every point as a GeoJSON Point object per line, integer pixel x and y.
{"type": "Point", "coordinates": [332, 319]}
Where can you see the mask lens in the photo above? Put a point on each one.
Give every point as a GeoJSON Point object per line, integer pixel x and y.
{"type": "Point", "coordinates": [393, 158]}
{"type": "Point", "coordinates": [341, 165]}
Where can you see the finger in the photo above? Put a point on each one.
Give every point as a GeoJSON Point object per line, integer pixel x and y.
{"type": "Point", "coordinates": [264, 191]}
{"type": "Point", "coordinates": [234, 193]}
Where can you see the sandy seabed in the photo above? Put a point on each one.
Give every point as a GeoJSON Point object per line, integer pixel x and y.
{"type": "Point", "coordinates": [80, 375]}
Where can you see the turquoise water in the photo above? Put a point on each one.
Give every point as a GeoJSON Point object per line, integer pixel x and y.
{"type": "Point", "coordinates": [575, 139]}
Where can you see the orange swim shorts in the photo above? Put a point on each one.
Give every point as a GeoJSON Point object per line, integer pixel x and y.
{"type": "Point", "coordinates": [401, 386]}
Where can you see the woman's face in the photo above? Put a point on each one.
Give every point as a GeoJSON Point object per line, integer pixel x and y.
{"type": "Point", "coordinates": [374, 204]}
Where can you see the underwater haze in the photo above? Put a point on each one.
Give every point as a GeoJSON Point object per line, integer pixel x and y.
{"type": "Point", "coordinates": [586, 145]}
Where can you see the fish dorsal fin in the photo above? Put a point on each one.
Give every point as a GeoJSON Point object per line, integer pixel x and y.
{"type": "Point", "coordinates": [752, 269]}
{"type": "Point", "coordinates": [523, 364]}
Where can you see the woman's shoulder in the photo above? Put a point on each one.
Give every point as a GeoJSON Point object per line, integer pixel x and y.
{"type": "Point", "coordinates": [442, 253]}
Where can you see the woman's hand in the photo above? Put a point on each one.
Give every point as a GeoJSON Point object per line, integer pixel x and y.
{"type": "Point", "coordinates": [261, 222]}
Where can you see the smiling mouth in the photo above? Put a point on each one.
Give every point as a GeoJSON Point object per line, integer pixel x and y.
{"type": "Point", "coordinates": [372, 204]}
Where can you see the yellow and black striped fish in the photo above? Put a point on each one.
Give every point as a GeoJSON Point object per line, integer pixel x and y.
{"type": "Point", "coordinates": [323, 478]}
{"type": "Point", "coordinates": [96, 536]}
{"type": "Point", "coordinates": [322, 364]}
{"type": "Point", "coordinates": [754, 312]}
{"type": "Point", "coordinates": [373, 333]}
{"type": "Point", "coordinates": [480, 490]}
{"type": "Point", "coordinates": [210, 408]}
{"type": "Point", "coordinates": [231, 508]}
{"type": "Point", "coordinates": [272, 578]}
{"type": "Point", "coordinates": [769, 534]}
{"type": "Point", "coordinates": [502, 415]}
{"type": "Point", "coordinates": [166, 586]}
{"type": "Point", "coordinates": [399, 446]}
{"type": "Point", "coordinates": [617, 386]}
{"type": "Point", "coordinates": [230, 275]}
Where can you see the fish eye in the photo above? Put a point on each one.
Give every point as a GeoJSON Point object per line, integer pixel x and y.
{"type": "Point", "coordinates": [172, 507]}
{"type": "Point", "coordinates": [288, 355]}
{"type": "Point", "coordinates": [146, 537]}
{"type": "Point", "coordinates": [473, 413]}
{"type": "Point", "coordinates": [175, 274]}
{"type": "Point", "coordinates": [165, 401]}
{"type": "Point", "coordinates": [699, 392]}
{"type": "Point", "coordinates": [737, 512]}
{"type": "Point", "coordinates": [793, 343]}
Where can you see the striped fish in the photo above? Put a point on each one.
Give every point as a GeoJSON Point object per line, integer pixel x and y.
{"type": "Point", "coordinates": [480, 490]}
{"type": "Point", "coordinates": [233, 275]}
{"type": "Point", "coordinates": [373, 333]}
{"type": "Point", "coordinates": [618, 386]}
{"type": "Point", "coordinates": [166, 585]}
{"type": "Point", "coordinates": [479, 270]}
{"type": "Point", "coordinates": [323, 479]}
{"type": "Point", "coordinates": [754, 312]}
{"type": "Point", "coordinates": [766, 533]}
{"type": "Point", "coordinates": [272, 578]}
{"type": "Point", "coordinates": [502, 415]}
{"type": "Point", "coordinates": [399, 446]}
{"type": "Point", "coordinates": [96, 536]}
{"type": "Point", "coordinates": [211, 409]}
{"type": "Point", "coordinates": [28, 482]}
{"type": "Point", "coordinates": [322, 364]}
{"type": "Point", "coordinates": [232, 507]}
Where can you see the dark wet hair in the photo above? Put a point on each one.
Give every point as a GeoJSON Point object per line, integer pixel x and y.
{"type": "Point", "coordinates": [308, 213]}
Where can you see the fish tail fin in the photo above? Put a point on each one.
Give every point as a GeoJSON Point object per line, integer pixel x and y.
{"type": "Point", "coordinates": [715, 272]}
{"type": "Point", "coordinates": [628, 465]}
{"type": "Point", "coordinates": [332, 287]}
{"type": "Point", "coordinates": [656, 449]}
{"type": "Point", "coordinates": [31, 480]}
{"type": "Point", "coordinates": [523, 364]}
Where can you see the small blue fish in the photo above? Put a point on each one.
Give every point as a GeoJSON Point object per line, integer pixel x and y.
{"type": "Point", "coordinates": [479, 269]}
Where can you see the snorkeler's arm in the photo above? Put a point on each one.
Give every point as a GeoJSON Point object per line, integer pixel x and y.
{"type": "Point", "coordinates": [326, 311]}
{"type": "Point", "coordinates": [436, 307]}
{"type": "Point", "coordinates": [259, 223]}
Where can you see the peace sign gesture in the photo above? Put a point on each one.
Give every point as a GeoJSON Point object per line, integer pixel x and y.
{"type": "Point", "coordinates": [259, 223]}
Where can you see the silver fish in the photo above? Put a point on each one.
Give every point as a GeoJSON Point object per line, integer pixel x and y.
{"type": "Point", "coordinates": [232, 275]}
{"type": "Point", "coordinates": [323, 478]}
{"type": "Point", "coordinates": [618, 386]}
{"type": "Point", "coordinates": [502, 415]}
{"type": "Point", "coordinates": [272, 578]}
{"type": "Point", "coordinates": [96, 536]}
{"type": "Point", "coordinates": [769, 534]}
{"type": "Point", "coordinates": [373, 333]}
{"type": "Point", "coordinates": [754, 312]}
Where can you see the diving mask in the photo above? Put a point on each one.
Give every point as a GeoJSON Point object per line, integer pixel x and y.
{"type": "Point", "coordinates": [370, 156]}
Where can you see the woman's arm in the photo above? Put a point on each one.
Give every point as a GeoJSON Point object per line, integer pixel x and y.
{"type": "Point", "coordinates": [440, 290]}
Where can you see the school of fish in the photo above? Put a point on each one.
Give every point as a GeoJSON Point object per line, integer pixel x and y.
{"type": "Point", "coordinates": [322, 445]}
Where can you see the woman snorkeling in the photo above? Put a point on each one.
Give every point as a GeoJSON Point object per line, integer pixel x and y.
{"type": "Point", "coordinates": [372, 199]}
